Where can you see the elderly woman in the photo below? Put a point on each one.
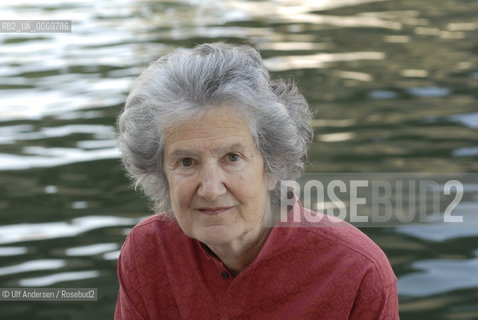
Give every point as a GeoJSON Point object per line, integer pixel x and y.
{"type": "Point", "coordinates": [208, 137]}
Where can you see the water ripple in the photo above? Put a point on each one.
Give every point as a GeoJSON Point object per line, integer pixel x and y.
{"type": "Point", "coordinates": [282, 63]}
{"type": "Point", "coordinates": [41, 231]}
{"type": "Point", "coordinates": [91, 249]}
{"type": "Point", "coordinates": [58, 277]}
{"type": "Point", "coordinates": [53, 157]}
{"type": "Point", "coordinates": [429, 92]}
{"type": "Point", "coordinates": [34, 265]}
{"type": "Point", "coordinates": [12, 251]}
{"type": "Point", "coordinates": [439, 276]}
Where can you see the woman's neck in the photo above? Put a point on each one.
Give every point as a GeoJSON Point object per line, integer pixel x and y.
{"type": "Point", "coordinates": [237, 256]}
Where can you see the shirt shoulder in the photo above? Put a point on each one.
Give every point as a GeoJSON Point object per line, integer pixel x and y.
{"type": "Point", "coordinates": [142, 272]}
{"type": "Point", "coordinates": [155, 220]}
{"type": "Point", "coordinates": [350, 246]}
{"type": "Point", "coordinates": [154, 226]}
{"type": "Point", "coordinates": [153, 237]}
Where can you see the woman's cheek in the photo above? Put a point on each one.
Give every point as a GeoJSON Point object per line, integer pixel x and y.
{"type": "Point", "coordinates": [185, 187]}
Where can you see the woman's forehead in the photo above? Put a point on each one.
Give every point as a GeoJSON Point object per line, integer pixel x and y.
{"type": "Point", "coordinates": [215, 130]}
{"type": "Point", "coordinates": [213, 122]}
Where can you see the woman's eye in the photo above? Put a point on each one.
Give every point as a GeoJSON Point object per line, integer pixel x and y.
{"type": "Point", "coordinates": [233, 157]}
{"type": "Point", "coordinates": [186, 162]}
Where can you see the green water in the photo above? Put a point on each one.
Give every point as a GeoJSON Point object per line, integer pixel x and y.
{"type": "Point", "coordinates": [395, 85]}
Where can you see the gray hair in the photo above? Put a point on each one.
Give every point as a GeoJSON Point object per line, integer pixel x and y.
{"type": "Point", "coordinates": [184, 84]}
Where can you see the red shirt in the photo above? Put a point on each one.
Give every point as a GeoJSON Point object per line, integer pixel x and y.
{"type": "Point", "coordinates": [329, 272]}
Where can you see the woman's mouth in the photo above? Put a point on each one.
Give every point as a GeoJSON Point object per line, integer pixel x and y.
{"type": "Point", "coordinates": [213, 211]}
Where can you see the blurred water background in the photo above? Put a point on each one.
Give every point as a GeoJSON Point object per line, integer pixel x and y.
{"type": "Point", "coordinates": [396, 83]}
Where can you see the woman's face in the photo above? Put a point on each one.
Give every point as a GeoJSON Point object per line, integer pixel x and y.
{"type": "Point", "coordinates": [217, 183]}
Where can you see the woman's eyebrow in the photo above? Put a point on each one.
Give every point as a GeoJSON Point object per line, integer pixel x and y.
{"type": "Point", "coordinates": [233, 147]}
{"type": "Point", "coordinates": [181, 153]}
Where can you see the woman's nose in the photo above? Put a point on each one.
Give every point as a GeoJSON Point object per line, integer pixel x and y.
{"type": "Point", "coordinates": [211, 184]}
